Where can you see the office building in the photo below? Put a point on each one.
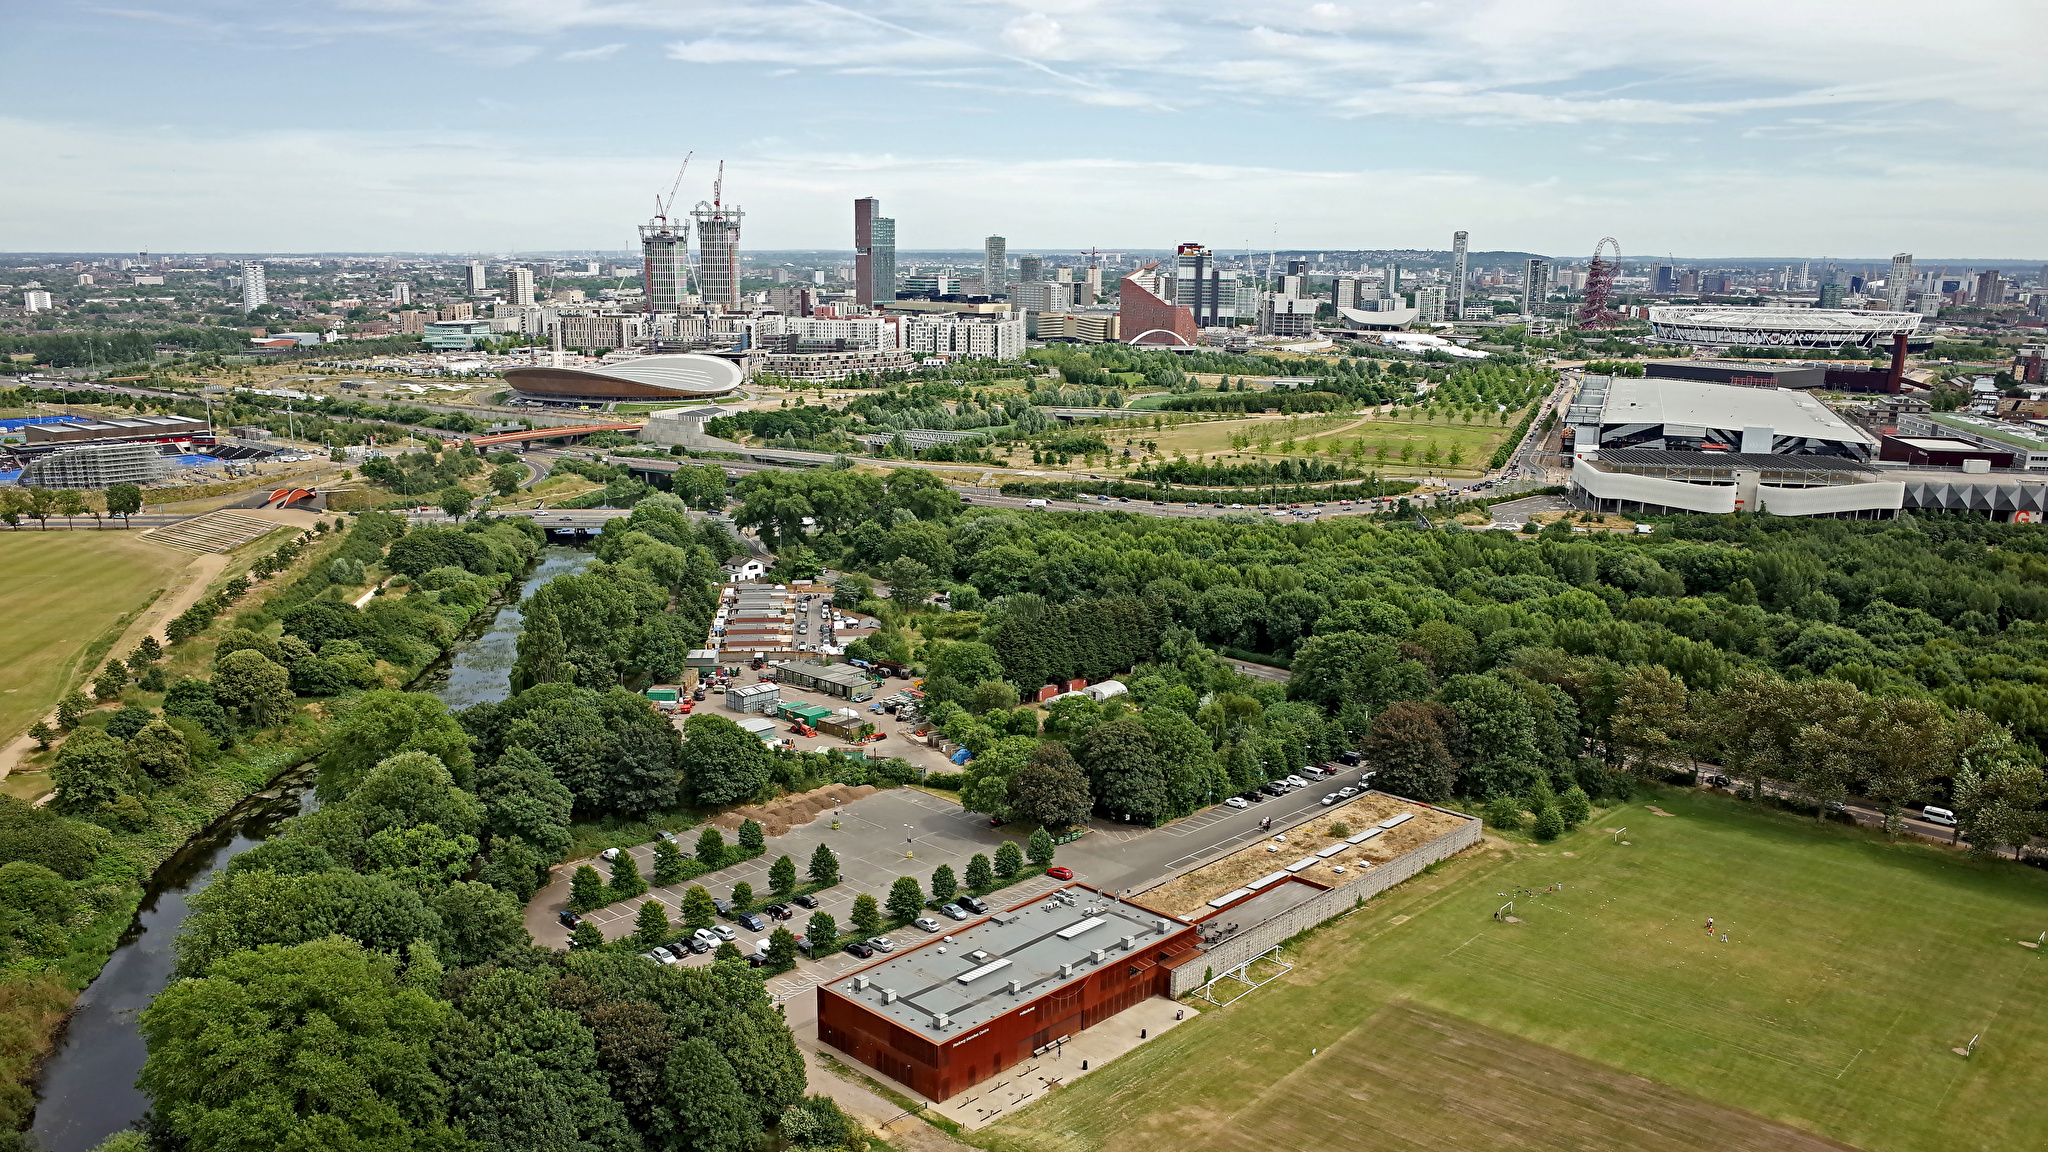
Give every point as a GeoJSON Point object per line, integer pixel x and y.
{"type": "Point", "coordinates": [1663, 279]}
{"type": "Point", "coordinates": [1831, 295]}
{"type": "Point", "coordinates": [995, 264]}
{"type": "Point", "coordinates": [930, 284]}
{"type": "Point", "coordinates": [874, 254]}
{"type": "Point", "coordinates": [946, 1015]}
{"type": "Point", "coordinates": [254, 293]}
{"type": "Point", "coordinates": [1900, 282]}
{"type": "Point", "coordinates": [1208, 292]}
{"type": "Point", "coordinates": [519, 287]}
{"type": "Point", "coordinates": [1390, 284]}
{"type": "Point", "coordinates": [1535, 287]}
{"type": "Point", "coordinates": [718, 252]}
{"type": "Point", "coordinates": [1990, 289]}
{"type": "Point", "coordinates": [477, 280]}
{"type": "Point", "coordinates": [1288, 316]}
{"type": "Point", "coordinates": [455, 335]}
{"type": "Point", "coordinates": [977, 337]}
{"type": "Point", "coordinates": [1030, 267]}
{"type": "Point", "coordinates": [1345, 291]}
{"type": "Point", "coordinates": [401, 294]}
{"type": "Point", "coordinates": [792, 299]}
{"type": "Point", "coordinates": [1093, 283]}
{"type": "Point", "coordinates": [1041, 296]}
{"type": "Point", "coordinates": [1146, 316]}
{"type": "Point", "coordinates": [1459, 244]}
{"type": "Point", "coordinates": [1073, 327]}
{"type": "Point", "coordinates": [35, 301]}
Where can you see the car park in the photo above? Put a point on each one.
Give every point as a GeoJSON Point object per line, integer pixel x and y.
{"type": "Point", "coordinates": [926, 923]}
{"type": "Point", "coordinates": [954, 912]}
{"type": "Point", "coordinates": [1059, 872]}
{"type": "Point", "coordinates": [859, 949]}
{"type": "Point", "coordinates": [1238, 802]}
{"type": "Point", "coordinates": [881, 944]}
{"type": "Point", "coordinates": [805, 901]}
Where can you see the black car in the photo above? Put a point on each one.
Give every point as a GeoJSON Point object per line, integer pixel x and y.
{"type": "Point", "coordinates": [751, 922]}
{"type": "Point", "coordinates": [859, 949]}
{"type": "Point", "coordinates": [779, 911]}
{"type": "Point", "coordinates": [1255, 796]}
{"type": "Point", "coordinates": [806, 901]}
{"type": "Point", "coordinates": [972, 905]}
{"type": "Point", "coordinates": [723, 905]}
{"type": "Point", "coordinates": [1274, 789]}
{"type": "Point", "coordinates": [569, 919]}
{"type": "Point", "coordinates": [698, 945]}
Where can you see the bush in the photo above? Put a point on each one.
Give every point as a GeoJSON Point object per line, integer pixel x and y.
{"type": "Point", "coordinates": [1549, 825]}
{"type": "Point", "coordinates": [1504, 813]}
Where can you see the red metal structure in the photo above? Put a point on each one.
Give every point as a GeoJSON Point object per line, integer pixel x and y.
{"type": "Point", "coordinates": [546, 434]}
{"type": "Point", "coordinates": [1593, 311]}
{"type": "Point", "coordinates": [284, 497]}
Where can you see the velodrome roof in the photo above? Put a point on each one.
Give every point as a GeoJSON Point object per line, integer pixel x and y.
{"type": "Point", "coordinates": [685, 374]}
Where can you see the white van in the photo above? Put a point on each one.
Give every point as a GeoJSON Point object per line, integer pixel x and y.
{"type": "Point", "coordinates": [1941, 816]}
{"type": "Point", "coordinates": [1034, 503]}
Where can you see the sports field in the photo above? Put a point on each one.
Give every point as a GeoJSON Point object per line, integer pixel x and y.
{"type": "Point", "coordinates": [1610, 1018]}
{"type": "Point", "coordinates": [59, 592]}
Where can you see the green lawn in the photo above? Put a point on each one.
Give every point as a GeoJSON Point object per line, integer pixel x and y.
{"type": "Point", "coordinates": [1851, 969]}
{"type": "Point", "coordinates": [59, 592]}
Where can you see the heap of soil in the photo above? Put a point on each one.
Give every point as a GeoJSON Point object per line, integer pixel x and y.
{"type": "Point", "coordinates": [779, 816]}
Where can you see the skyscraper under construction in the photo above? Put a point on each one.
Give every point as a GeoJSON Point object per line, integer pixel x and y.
{"type": "Point", "coordinates": [718, 251]}
{"type": "Point", "coordinates": [665, 257]}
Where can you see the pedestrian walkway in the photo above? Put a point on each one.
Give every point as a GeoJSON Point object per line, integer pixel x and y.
{"type": "Point", "coordinates": [215, 532]}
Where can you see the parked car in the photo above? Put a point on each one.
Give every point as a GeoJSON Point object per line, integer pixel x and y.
{"type": "Point", "coordinates": [881, 944]}
{"type": "Point", "coordinates": [609, 854]}
{"type": "Point", "coordinates": [669, 836]}
{"type": "Point", "coordinates": [752, 922]}
{"type": "Point", "coordinates": [1332, 798]}
{"type": "Point", "coordinates": [1347, 791]}
{"type": "Point", "coordinates": [1060, 872]}
{"type": "Point", "coordinates": [723, 906]}
{"type": "Point", "coordinates": [972, 904]}
{"type": "Point", "coordinates": [698, 944]}
{"type": "Point", "coordinates": [806, 901]}
{"type": "Point", "coordinates": [1296, 782]}
{"type": "Point", "coordinates": [1273, 788]}
{"type": "Point", "coordinates": [569, 919]}
{"type": "Point", "coordinates": [724, 932]}
{"type": "Point", "coordinates": [665, 953]}
{"type": "Point", "coordinates": [708, 935]}
{"type": "Point", "coordinates": [954, 912]}
{"type": "Point", "coordinates": [1238, 802]}
{"type": "Point", "coordinates": [859, 949]}
{"type": "Point", "coordinates": [1255, 796]}
{"type": "Point", "coordinates": [926, 923]}
{"type": "Point", "coordinates": [779, 911]}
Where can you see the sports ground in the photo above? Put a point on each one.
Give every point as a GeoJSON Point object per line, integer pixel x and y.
{"type": "Point", "coordinates": [1608, 1017]}
{"type": "Point", "coordinates": [59, 592]}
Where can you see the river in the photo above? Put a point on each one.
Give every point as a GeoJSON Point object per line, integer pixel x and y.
{"type": "Point", "coordinates": [87, 1091]}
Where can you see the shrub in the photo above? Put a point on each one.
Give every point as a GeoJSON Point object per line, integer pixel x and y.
{"type": "Point", "coordinates": [1504, 813]}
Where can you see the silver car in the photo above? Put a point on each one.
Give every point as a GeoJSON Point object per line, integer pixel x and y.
{"type": "Point", "coordinates": [927, 923]}
{"type": "Point", "coordinates": [1296, 782]}
{"type": "Point", "coordinates": [881, 944]}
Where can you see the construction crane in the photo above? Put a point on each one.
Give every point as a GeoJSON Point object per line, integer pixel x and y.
{"type": "Point", "coordinates": [1593, 311]}
{"type": "Point", "coordinates": [661, 206]}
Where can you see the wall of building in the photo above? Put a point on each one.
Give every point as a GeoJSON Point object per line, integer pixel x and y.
{"type": "Point", "coordinates": [1251, 942]}
{"type": "Point", "coordinates": [1833, 500]}
{"type": "Point", "coordinates": [1651, 490]}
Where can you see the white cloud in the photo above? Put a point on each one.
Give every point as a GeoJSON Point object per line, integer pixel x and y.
{"type": "Point", "coordinates": [591, 55]}
{"type": "Point", "coordinates": [1033, 35]}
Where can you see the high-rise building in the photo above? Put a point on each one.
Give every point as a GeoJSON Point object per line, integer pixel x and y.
{"type": "Point", "coordinates": [718, 252]}
{"type": "Point", "coordinates": [1146, 316]}
{"type": "Point", "coordinates": [874, 254]}
{"type": "Point", "coordinates": [1535, 287]}
{"type": "Point", "coordinates": [1297, 268]}
{"type": "Point", "coordinates": [1207, 291]}
{"type": "Point", "coordinates": [1344, 292]}
{"type": "Point", "coordinates": [1900, 282]}
{"type": "Point", "coordinates": [1459, 243]}
{"type": "Point", "coordinates": [34, 301]}
{"type": "Point", "coordinates": [254, 293]}
{"type": "Point", "coordinates": [1093, 285]}
{"type": "Point", "coordinates": [477, 279]}
{"type": "Point", "coordinates": [1040, 296]}
{"type": "Point", "coordinates": [1429, 302]}
{"type": "Point", "coordinates": [1030, 267]}
{"type": "Point", "coordinates": [519, 287]}
{"type": "Point", "coordinates": [1390, 284]}
{"type": "Point", "coordinates": [1664, 279]}
{"type": "Point", "coordinates": [664, 264]}
{"type": "Point", "coordinates": [401, 293]}
{"type": "Point", "coordinates": [1831, 295]}
{"type": "Point", "coordinates": [995, 264]}
{"type": "Point", "coordinates": [1990, 289]}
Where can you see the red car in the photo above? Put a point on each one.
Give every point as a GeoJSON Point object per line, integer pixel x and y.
{"type": "Point", "coordinates": [1059, 873]}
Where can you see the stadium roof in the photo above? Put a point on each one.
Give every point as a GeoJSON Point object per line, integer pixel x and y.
{"type": "Point", "coordinates": [1651, 400]}
{"type": "Point", "coordinates": [1839, 320]}
{"type": "Point", "coordinates": [667, 377]}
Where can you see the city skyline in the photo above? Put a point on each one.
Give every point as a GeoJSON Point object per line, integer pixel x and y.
{"type": "Point", "coordinates": [1776, 129]}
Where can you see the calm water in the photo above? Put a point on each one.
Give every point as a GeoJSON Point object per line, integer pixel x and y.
{"type": "Point", "coordinates": [88, 1088]}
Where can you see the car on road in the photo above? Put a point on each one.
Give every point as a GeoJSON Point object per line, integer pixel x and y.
{"type": "Point", "coordinates": [954, 912]}
{"type": "Point", "coordinates": [1060, 872]}
{"type": "Point", "coordinates": [569, 919]}
{"type": "Point", "coordinates": [926, 923]}
{"type": "Point", "coordinates": [1347, 791]}
{"type": "Point", "coordinates": [1332, 798]}
{"type": "Point", "coordinates": [881, 944]}
{"type": "Point", "coordinates": [805, 901]}
{"type": "Point", "coordinates": [972, 904]}
{"type": "Point", "coordinates": [1238, 802]}
{"type": "Point", "coordinates": [752, 922]}
{"type": "Point", "coordinates": [859, 949]}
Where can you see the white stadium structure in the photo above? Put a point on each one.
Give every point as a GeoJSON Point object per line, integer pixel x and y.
{"type": "Point", "coordinates": [1725, 327]}
{"type": "Point", "coordinates": [683, 376]}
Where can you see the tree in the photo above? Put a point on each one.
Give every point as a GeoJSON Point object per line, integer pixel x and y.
{"type": "Point", "coordinates": [743, 897]}
{"type": "Point", "coordinates": [867, 914]}
{"type": "Point", "coordinates": [945, 885]}
{"type": "Point", "coordinates": [1500, 734]}
{"type": "Point", "coordinates": [1410, 746]}
{"type": "Point", "coordinates": [1906, 745]}
{"type": "Point", "coordinates": [586, 937]}
{"type": "Point", "coordinates": [42, 734]}
{"type": "Point", "coordinates": [626, 879]}
{"type": "Point", "coordinates": [650, 924]}
{"type": "Point", "coordinates": [781, 948]}
{"type": "Point", "coordinates": [383, 723]}
{"type": "Point", "coordinates": [668, 864]}
{"type": "Point", "coordinates": [1009, 859]}
{"type": "Point", "coordinates": [980, 877]}
{"type": "Point", "coordinates": [91, 772]}
{"type": "Point", "coordinates": [711, 849]}
{"type": "Point", "coordinates": [823, 933]}
{"type": "Point", "coordinates": [124, 500]}
{"type": "Point", "coordinates": [71, 709]}
{"type": "Point", "coordinates": [506, 478]}
{"type": "Point", "coordinates": [1549, 824]}
{"type": "Point", "coordinates": [1040, 848]}
{"type": "Point", "coordinates": [258, 688]}
{"type": "Point", "coordinates": [1050, 790]}
{"type": "Point", "coordinates": [1125, 771]}
{"type": "Point", "coordinates": [721, 762]}
{"type": "Point", "coordinates": [1503, 812]}
{"type": "Point", "coordinates": [111, 682]}
{"type": "Point", "coordinates": [159, 750]}
{"type": "Point", "coordinates": [910, 582]}
{"type": "Point", "coordinates": [587, 890]}
{"type": "Point", "coordinates": [698, 909]}
{"type": "Point", "coordinates": [522, 799]}
{"type": "Point", "coordinates": [906, 899]}
{"type": "Point", "coordinates": [824, 867]}
{"type": "Point", "coordinates": [1574, 807]}
{"type": "Point", "coordinates": [705, 1109]}
{"type": "Point", "coordinates": [455, 501]}
{"type": "Point", "coordinates": [751, 840]}
{"type": "Point", "coordinates": [35, 892]}
{"type": "Point", "coordinates": [320, 1045]}
{"type": "Point", "coordinates": [782, 876]}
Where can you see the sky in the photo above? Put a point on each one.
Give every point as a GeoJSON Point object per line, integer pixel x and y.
{"type": "Point", "coordinates": [1737, 128]}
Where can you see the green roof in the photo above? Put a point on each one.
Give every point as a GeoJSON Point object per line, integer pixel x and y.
{"type": "Point", "coordinates": [1995, 431]}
